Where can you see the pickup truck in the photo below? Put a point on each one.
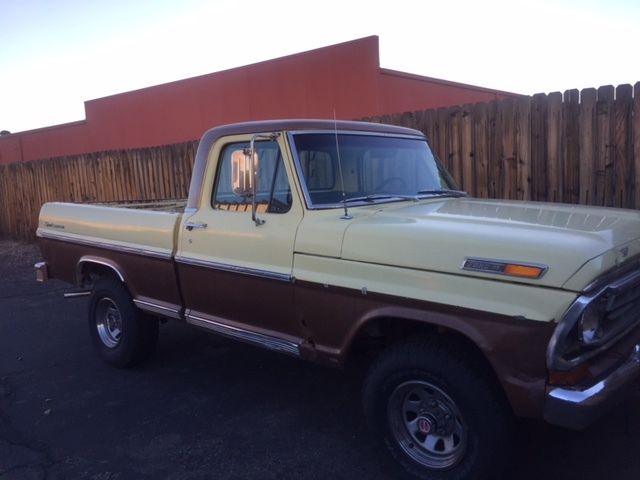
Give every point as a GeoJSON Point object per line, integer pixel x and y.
{"type": "Point", "coordinates": [341, 242]}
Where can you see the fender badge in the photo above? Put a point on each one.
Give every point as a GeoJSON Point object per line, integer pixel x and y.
{"type": "Point", "coordinates": [624, 251]}
{"type": "Point", "coordinates": [502, 267]}
{"type": "Point", "coordinates": [53, 225]}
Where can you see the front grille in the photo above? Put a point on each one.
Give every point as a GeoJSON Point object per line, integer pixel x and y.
{"type": "Point", "coordinates": [621, 304]}
{"type": "Point", "coordinates": [616, 302]}
{"type": "Point", "coordinates": [623, 297]}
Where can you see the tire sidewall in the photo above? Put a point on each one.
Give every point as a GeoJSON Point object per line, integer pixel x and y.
{"type": "Point", "coordinates": [463, 467]}
{"type": "Point", "coordinates": [485, 424]}
{"type": "Point", "coordinates": [124, 353]}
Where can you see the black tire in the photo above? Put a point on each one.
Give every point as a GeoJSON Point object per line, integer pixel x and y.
{"type": "Point", "coordinates": [123, 335]}
{"type": "Point", "coordinates": [440, 415]}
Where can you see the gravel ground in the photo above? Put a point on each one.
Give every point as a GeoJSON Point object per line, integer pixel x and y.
{"type": "Point", "coordinates": [207, 408]}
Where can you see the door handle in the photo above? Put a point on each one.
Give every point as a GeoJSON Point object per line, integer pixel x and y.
{"type": "Point", "coordinates": [191, 225]}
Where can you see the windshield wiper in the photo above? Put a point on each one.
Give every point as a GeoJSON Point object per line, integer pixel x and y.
{"type": "Point", "coordinates": [443, 193]}
{"type": "Point", "coordinates": [381, 196]}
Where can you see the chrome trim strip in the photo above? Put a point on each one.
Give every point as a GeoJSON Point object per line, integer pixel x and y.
{"type": "Point", "coordinates": [109, 246]}
{"type": "Point", "coordinates": [543, 267]}
{"type": "Point", "coordinates": [298, 165]}
{"type": "Point", "coordinates": [246, 336]}
{"type": "Point", "coordinates": [82, 293]}
{"type": "Point", "coordinates": [254, 272]}
{"type": "Point", "coordinates": [577, 396]}
{"type": "Point", "coordinates": [157, 309]}
{"type": "Point", "coordinates": [91, 259]}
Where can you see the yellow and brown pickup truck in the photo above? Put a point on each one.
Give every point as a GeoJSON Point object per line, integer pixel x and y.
{"type": "Point", "coordinates": [332, 241]}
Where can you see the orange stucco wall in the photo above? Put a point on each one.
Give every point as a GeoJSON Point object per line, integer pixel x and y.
{"type": "Point", "coordinates": [346, 78]}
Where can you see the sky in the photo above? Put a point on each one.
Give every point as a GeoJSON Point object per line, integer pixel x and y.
{"type": "Point", "coordinates": [57, 54]}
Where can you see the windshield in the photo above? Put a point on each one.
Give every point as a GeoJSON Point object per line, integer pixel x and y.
{"type": "Point", "coordinates": [374, 168]}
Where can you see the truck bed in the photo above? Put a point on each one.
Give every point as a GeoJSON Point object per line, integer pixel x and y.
{"type": "Point", "coordinates": [150, 226]}
{"type": "Point", "coordinates": [135, 241]}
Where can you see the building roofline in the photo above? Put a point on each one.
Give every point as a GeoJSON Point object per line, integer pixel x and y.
{"type": "Point", "coordinates": [241, 67]}
{"type": "Point", "coordinates": [449, 83]}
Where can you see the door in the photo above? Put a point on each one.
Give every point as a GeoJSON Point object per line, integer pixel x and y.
{"type": "Point", "coordinates": [236, 274]}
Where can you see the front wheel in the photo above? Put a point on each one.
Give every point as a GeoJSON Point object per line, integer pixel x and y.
{"type": "Point", "coordinates": [439, 415]}
{"type": "Point", "coordinates": [122, 334]}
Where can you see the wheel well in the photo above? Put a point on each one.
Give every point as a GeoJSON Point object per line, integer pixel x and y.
{"type": "Point", "coordinates": [380, 333]}
{"type": "Point", "coordinates": [89, 272]}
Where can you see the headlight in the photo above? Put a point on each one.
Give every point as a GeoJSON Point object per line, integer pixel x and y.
{"type": "Point", "coordinates": [590, 329]}
{"type": "Point", "coordinates": [602, 315]}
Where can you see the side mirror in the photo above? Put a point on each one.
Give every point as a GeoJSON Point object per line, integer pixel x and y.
{"type": "Point", "coordinates": [242, 172]}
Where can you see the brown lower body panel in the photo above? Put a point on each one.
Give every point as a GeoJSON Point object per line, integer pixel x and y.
{"type": "Point", "coordinates": [515, 347]}
{"type": "Point", "coordinates": [148, 278]}
{"type": "Point", "coordinates": [248, 302]}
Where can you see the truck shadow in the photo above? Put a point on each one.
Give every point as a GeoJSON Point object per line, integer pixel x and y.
{"type": "Point", "coordinates": [321, 408]}
{"type": "Point", "coordinates": [204, 407]}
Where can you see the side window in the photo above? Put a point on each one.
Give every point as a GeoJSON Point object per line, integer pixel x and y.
{"type": "Point", "coordinates": [273, 192]}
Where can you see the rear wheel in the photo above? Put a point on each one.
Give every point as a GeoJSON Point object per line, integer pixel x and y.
{"type": "Point", "coordinates": [123, 335]}
{"type": "Point", "coordinates": [439, 415]}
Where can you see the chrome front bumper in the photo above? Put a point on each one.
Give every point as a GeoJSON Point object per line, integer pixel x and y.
{"type": "Point", "coordinates": [577, 408]}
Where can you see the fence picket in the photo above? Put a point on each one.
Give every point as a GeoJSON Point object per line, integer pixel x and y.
{"type": "Point", "coordinates": [480, 132]}
{"type": "Point", "coordinates": [553, 159]}
{"type": "Point", "coordinates": [603, 159]}
{"type": "Point", "coordinates": [454, 146]}
{"type": "Point", "coordinates": [508, 165]}
{"type": "Point", "coordinates": [523, 148]}
{"type": "Point", "coordinates": [587, 130]}
{"type": "Point", "coordinates": [623, 165]}
{"type": "Point", "coordinates": [571, 147]}
{"type": "Point", "coordinates": [538, 147]}
{"type": "Point", "coordinates": [466, 150]}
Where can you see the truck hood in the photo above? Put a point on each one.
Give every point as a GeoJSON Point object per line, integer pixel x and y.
{"type": "Point", "coordinates": [438, 235]}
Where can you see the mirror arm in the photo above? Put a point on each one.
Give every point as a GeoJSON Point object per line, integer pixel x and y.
{"type": "Point", "coordinates": [254, 173]}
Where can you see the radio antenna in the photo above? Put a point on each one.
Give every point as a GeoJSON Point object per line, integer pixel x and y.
{"type": "Point", "coordinates": [346, 215]}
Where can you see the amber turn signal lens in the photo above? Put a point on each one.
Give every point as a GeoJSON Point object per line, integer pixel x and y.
{"type": "Point", "coordinates": [570, 377]}
{"type": "Point", "coordinates": [522, 271]}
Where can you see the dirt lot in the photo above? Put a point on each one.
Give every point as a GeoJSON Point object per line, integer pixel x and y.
{"type": "Point", "coordinates": [207, 408]}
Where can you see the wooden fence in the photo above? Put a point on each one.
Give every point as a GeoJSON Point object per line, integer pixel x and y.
{"type": "Point", "coordinates": [141, 174]}
{"type": "Point", "coordinates": [577, 147]}
{"type": "Point", "coordinates": [580, 147]}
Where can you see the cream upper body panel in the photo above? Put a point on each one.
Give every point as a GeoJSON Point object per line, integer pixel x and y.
{"type": "Point", "coordinates": [148, 231]}
{"type": "Point", "coordinates": [438, 234]}
{"type": "Point", "coordinates": [503, 298]}
{"type": "Point", "coordinates": [321, 232]}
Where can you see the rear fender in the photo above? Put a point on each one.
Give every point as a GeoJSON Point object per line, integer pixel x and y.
{"type": "Point", "coordinates": [86, 262]}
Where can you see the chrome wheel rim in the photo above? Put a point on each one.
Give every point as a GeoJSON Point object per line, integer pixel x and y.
{"type": "Point", "coordinates": [427, 425]}
{"type": "Point", "coordinates": [108, 322]}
